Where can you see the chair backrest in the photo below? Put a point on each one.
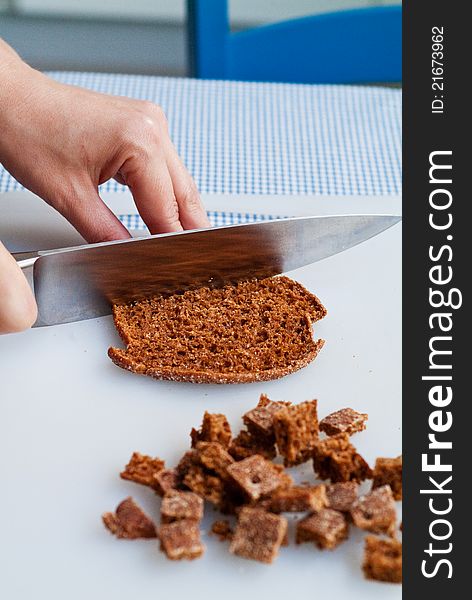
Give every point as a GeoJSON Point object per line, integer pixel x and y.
{"type": "Point", "coordinates": [352, 46]}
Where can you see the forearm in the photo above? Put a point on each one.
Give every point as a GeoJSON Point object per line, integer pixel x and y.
{"type": "Point", "coordinates": [11, 69]}
{"type": "Point", "coordinates": [18, 81]}
{"type": "Point", "coordinates": [7, 52]}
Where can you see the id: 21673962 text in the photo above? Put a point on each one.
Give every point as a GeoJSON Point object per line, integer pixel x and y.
{"type": "Point", "coordinates": [437, 69]}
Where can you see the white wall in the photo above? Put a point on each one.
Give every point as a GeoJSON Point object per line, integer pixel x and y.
{"type": "Point", "coordinates": [135, 9]}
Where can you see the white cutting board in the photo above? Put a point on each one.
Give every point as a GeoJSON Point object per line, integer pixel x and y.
{"type": "Point", "coordinates": [69, 420]}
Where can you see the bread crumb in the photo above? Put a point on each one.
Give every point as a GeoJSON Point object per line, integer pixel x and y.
{"type": "Point", "coordinates": [388, 471]}
{"type": "Point", "coordinates": [256, 477]}
{"type": "Point", "coordinates": [345, 420]}
{"type": "Point", "coordinates": [258, 535]}
{"type": "Point", "coordinates": [375, 511]}
{"type": "Point", "coordinates": [327, 528]}
{"type": "Point", "coordinates": [129, 521]}
{"type": "Point", "coordinates": [178, 505]}
{"type": "Point", "coordinates": [296, 431]}
{"type": "Point", "coordinates": [181, 540]}
{"type": "Point", "coordinates": [222, 529]}
{"type": "Point", "coordinates": [335, 458]}
{"type": "Point", "coordinates": [382, 559]}
{"type": "Point", "coordinates": [143, 469]}
{"type": "Point", "coordinates": [215, 428]}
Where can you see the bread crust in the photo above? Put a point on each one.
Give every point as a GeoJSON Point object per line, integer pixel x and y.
{"type": "Point", "coordinates": [192, 374]}
{"type": "Point", "coordinates": [120, 359]}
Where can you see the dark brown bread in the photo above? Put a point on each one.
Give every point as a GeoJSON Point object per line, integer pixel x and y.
{"type": "Point", "coordinates": [258, 535]}
{"type": "Point", "coordinates": [296, 431]}
{"type": "Point", "coordinates": [208, 486]}
{"type": "Point", "coordinates": [192, 474]}
{"type": "Point", "coordinates": [256, 477]}
{"type": "Point", "coordinates": [214, 457]}
{"type": "Point", "coordinates": [252, 331]}
{"type": "Point", "coordinates": [382, 559]}
{"type": "Point", "coordinates": [342, 495]}
{"type": "Point", "coordinates": [215, 428]}
{"type": "Point", "coordinates": [177, 505]}
{"type": "Point", "coordinates": [143, 469]}
{"type": "Point", "coordinates": [296, 499]}
{"type": "Point", "coordinates": [327, 528]}
{"type": "Point", "coordinates": [245, 444]}
{"type": "Point", "coordinates": [260, 420]}
{"type": "Point", "coordinates": [165, 481]}
{"type": "Point", "coordinates": [238, 477]}
{"type": "Point", "coordinates": [388, 471]}
{"type": "Point", "coordinates": [181, 540]}
{"type": "Point", "coordinates": [129, 521]}
{"type": "Point", "coordinates": [335, 458]}
{"type": "Point", "coordinates": [375, 511]}
{"type": "Point", "coordinates": [345, 420]}
{"type": "Point", "coordinates": [222, 529]}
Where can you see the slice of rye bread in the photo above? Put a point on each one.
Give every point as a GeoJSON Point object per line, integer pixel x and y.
{"type": "Point", "coordinates": [252, 331]}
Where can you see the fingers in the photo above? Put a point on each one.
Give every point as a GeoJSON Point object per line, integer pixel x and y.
{"type": "Point", "coordinates": [192, 213]}
{"type": "Point", "coordinates": [86, 211]}
{"type": "Point", "coordinates": [153, 192]}
{"type": "Point", "coordinates": [18, 309]}
{"type": "Point", "coordinates": [164, 192]}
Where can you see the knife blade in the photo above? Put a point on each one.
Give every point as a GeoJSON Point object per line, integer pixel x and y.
{"type": "Point", "coordinates": [73, 284]}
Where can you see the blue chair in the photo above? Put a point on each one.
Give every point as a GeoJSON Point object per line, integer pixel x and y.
{"type": "Point", "coordinates": [352, 46]}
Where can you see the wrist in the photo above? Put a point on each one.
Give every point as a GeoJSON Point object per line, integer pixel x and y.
{"type": "Point", "coordinates": [11, 66]}
{"type": "Point", "coordinates": [18, 85]}
{"type": "Point", "coordinates": [14, 77]}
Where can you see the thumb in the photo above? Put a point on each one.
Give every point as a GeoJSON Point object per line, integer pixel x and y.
{"type": "Point", "coordinates": [18, 309]}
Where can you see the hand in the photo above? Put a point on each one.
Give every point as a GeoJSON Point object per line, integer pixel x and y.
{"type": "Point", "coordinates": [61, 142]}
{"type": "Point", "coordinates": [17, 305]}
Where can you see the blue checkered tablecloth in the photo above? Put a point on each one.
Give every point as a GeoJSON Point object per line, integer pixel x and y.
{"type": "Point", "coordinates": [263, 138]}
{"type": "Point", "coordinates": [217, 218]}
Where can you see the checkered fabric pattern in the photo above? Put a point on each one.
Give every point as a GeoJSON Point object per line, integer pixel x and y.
{"type": "Point", "coordinates": [264, 138]}
{"type": "Point", "coordinates": [217, 219]}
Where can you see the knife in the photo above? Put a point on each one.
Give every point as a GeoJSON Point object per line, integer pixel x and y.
{"type": "Point", "coordinates": [73, 284]}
